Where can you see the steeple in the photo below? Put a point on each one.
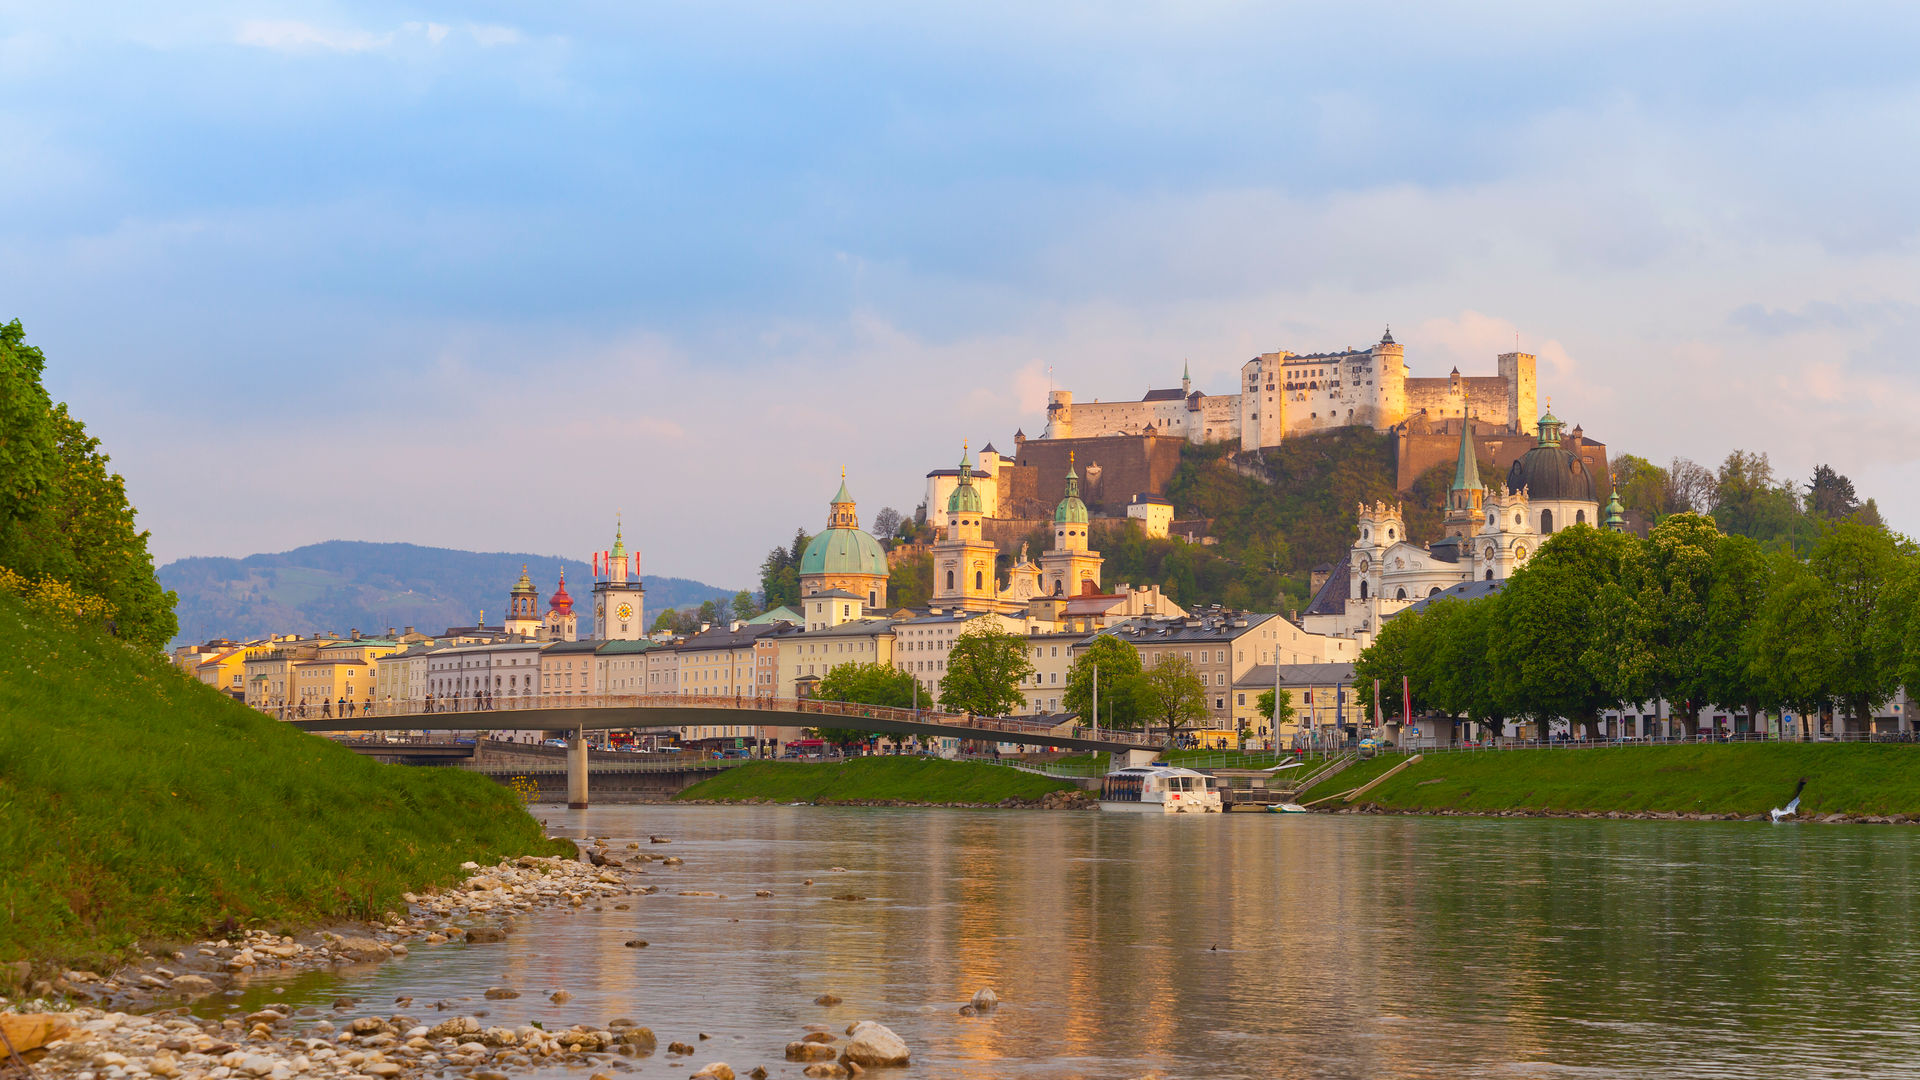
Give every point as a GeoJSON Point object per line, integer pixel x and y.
{"type": "Point", "coordinates": [1549, 427]}
{"type": "Point", "coordinates": [965, 498]}
{"type": "Point", "coordinates": [1186, 377]}
{"type": "Point", "coordinates": [1071, 509]}
{"type": "Point", "coordinates": [1616, 518]}
{"type": "Point", "coordinates": [1466, 472]}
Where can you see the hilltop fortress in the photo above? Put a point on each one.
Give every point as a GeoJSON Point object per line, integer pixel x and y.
{"type": "Point", "coordinates": [1284, 394]}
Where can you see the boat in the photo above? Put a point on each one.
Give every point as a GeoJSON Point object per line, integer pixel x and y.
{"type": "Point", "coordinates": [1159, 789]}
{"type": "Point", "coordinates": [1286, 808]}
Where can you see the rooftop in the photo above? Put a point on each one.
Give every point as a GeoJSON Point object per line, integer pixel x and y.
{"type": "Point", "coordinates": [1260, 677]}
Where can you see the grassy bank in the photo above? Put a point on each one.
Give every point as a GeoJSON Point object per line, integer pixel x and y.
{"type": "Point", "coordinates": [907, 779]}
{"type": "Point", "coordinates": [1846, 778]}
{"type": "Point", "coordinates": [137, 804]}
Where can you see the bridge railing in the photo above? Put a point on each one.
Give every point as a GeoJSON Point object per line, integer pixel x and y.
{"type": "Point", "coordinates": [825, 711]}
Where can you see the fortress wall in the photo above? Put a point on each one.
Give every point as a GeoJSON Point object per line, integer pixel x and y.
{"type": "Point", "coordinates": [1111, 469]}
{"type": "Point", "coordinates": [1487, 396]}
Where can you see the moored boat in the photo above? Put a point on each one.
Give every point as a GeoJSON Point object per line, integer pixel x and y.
{"type": "Point", "coordinates": [1159, 789]}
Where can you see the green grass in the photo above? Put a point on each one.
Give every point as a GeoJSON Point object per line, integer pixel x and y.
{"type": "Point", "coordinates": [1851, 778]}
{"type": "Point", "coordinates": [907, 779]}
{"type": "Point", "coordinates": [138, 805]}
{"type": "Point", "coordinates": [1351, 777]}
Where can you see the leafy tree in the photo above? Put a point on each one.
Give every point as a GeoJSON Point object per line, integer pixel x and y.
{"type": "Point", "coordinates": [64, 517]}
{"type": "Point", "coordinates": [1789, 647]}
{"type": "Point", "coordinates": [743, 606]}
{"type": "Point", "coordinates": [1459, 673]}
{"type": "Point", "coordinates": [1854, 565]}
{"type": "Point", "coordinates": [1897, 633]}
{"type": "Point", "coordinates": [780, 573]}
{"type": "Point", "coordinates": [910, 580]}
{"type": "Point", "coordinates": [1284, 716]}
{"type": "Point", "coordinates": [1173, 694]}
{"type": "Point", "coordinates": [1830, 495]}
{"type": "Point", "coordinates": [886, 523]}
{"type": "Point", "coordinates": [664, 622]}
{"type": "Point", "coordinates": [1549, 648]}
{"type": "Point", "coordinates": [1751, 501]}
{"type": "Point", "coordinates": [864, 684]}
{"type": "Point", "coordinates": [710, 614]}
{"type": "Point", "coordinates": [1121, 693]}
{"type": "Point", "coordinates": [1399, 651]}
{"type": "Point", "coordinates": [985, 669]}
{"type": "Point", "coordinates": [1660, 642]}
{"type": "Point", "coordinates": [1742, 579]}
{"type": "Point", "coordinates": [28, 459]}
{"type": "Point", "coordinates": [1641, 485]}
{"type": "Point", "coordinates": [1690, 488]}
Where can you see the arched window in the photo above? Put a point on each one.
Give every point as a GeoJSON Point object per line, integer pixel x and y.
{"type": "Point", "coordinates": [1400, 594]}
{"type": "Point", "coordinates": [1579, 517]}
{"type": "Point", "coordinates": [1435, 591]}
{"type": "Point", "coordinates": [1489, 573]}
{"type": "Point", "coordinates": [979, 580]}
{"type": "Point", "coordinates": [949, 581]}
{"type": "Point", "coordinates": [1363, 590]}
{"type": "Point", "coordinates": [1546, 522]}
{"type": "Point", "coordinates": [1389, 534]}
{"type": "Point", "coordinates": [1058, 587]}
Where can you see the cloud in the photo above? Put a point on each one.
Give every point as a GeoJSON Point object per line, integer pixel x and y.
{"type": "Point", "coordinates": [288, 35]}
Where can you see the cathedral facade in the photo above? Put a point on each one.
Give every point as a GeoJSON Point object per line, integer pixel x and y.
{"type": "Point", "coordinates": [1283, 393]}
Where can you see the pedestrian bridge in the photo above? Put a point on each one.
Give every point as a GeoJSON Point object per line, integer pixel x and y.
{"type": "Point", "coordinates": [578, 714]}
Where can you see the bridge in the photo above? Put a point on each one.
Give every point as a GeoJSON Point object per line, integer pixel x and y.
{"type": "Point", "coordinates": [578, 714]}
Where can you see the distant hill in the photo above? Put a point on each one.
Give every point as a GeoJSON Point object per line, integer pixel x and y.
{"type": "Point", "coordinates": [341, 585]}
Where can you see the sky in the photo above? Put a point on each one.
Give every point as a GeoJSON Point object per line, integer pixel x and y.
{"type": "Point", "coordinates": [484, 275]}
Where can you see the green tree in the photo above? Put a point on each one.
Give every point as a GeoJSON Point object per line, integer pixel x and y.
{"type": "Point", "coordinates": [28, 459]}
{"type": "Point", "coordinates": [1830, 495]}
{"type": "Point", "coordinates": [985, 670]}
{"type": "Point", "coordinates": [910, 580]}
{"type": "Point", "coordinates": [864, 684]}
{"type": "Point", "coordinates": [1854, 565]}
{"type": "Point", "coordinates": [780, 573]}
{"type": "Point", "coordinates": [1660, 641]}
{"type": "Point", "coordinates": [1751, 501]}
{"type": "Point", "coordinates": [1549, 648]}
{"type": "Point", "coordinates": [743, 606]}
{"type": "Point", "coordinates": [1121, 702]}
{"type": "Point", "coordinates": [1742, 578]}
{"type": "Point", "coordinates": [1174, 696]}
{"type": "Point", "coordinates": [1274, 720]}
{"type": "Point", "coordinates": [1399, 651]}
{"type": "Point", "coordinates": [64, 516]}
{"type": "Point", "coordinates": [664, 622]}
{"type": "Point", "coordinates": [1897, 633]}
{"type": "Point", "coordinates": [710, 614]}
{"type": "Point", "coordinates": [1789, 648]}
{"type": "Point", "coordinates": [1458, 667]}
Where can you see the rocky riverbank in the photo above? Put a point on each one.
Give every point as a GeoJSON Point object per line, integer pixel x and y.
{"type": "Point", "coordinates": [1052, 800]}
{"type": "Point", "coordinates": [157, 1018]}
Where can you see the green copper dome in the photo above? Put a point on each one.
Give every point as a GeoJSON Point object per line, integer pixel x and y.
{"type": "Point", "coordinates": [844, 548]}
{"type": "Point", "coordinates": [965, 498]}
{"type": "Point", "coordinates": [1071, 509]}
{"type": "Point", "coordinates": [844, 551]}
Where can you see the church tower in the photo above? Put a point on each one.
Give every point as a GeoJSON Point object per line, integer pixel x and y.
{"type": "Point", "coordinates": [963, 562]}
{"type": "Point", "coordinates": [619, 607]}
{"type": "Point", "coordinates": [1466, 500]}
{"type": "Point", "coordinates": [562, 623]}
{"type": "Point", "coordinates": [522, 619]}
{"type": "Point", "coordinates": [1070, 563]}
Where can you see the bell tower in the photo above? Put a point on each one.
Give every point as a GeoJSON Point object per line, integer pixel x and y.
{"type": "Point", "coordinates": [619, 603]}
{"type": "Point", "coordinates": [522, 619]}
{"type": "Point", "coordinates": [963, 562]}
{"type": "Point", "coordinates": [1070, 564]}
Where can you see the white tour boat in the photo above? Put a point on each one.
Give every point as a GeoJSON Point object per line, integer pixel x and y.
{"type": "Point", "coordinates": [1159, 789]}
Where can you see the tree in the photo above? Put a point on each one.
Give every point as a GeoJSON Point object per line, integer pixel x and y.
{"type": "Point", "coordinates": [743, 606]}
{"type": "Point", "coordinates": [1641, 485]}
{"type": "Point", "coordinates": [886, 523]}
{"type": "Point", "coordinates": [1897, 634]}
{"type": "Point", "coordinates": [1658, 643]}
{"type": "Point", "coordinates": [64, 517]}
{"type": "Point", "coordinates": [710, 614]}
{"type": "Point", "coordinates": [1121, 693]}
{"type": "Point", "coordinates": [1173, 694]}
{"type": "Point", "coordinates": [1398, 653]}
{"type": "Point", "coordinates": [985, 669]}
{"type": "Point", "coordinates": [1830, 495]}
{"type": "Point", "coordinates": [910, 580]}
{"type": "Point", "coordinates": [864, 684]}
{"type": "Point", "coordinates": [1854, 565]}
{"type": "Point", "coordinates": [1549, 646]}
{"type": "Point", "coordinates": [1690, 488]}
{"type": "Point", "coordinates": [1458, 669]}
{"type": "Point", "coordinates": [1267, 713]}
{"type": "Point", "coordinates": [664, 622]}
{"type": "Point", "coordinates": [1749, 500]}
{"type": "Point", "coordinates": [780, 573]}
{"type": "Point", "coordinates": [1742, 579]}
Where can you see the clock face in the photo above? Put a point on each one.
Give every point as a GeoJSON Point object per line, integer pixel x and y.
{"type": "Point", "coordinates": [625, 611]}
{"type": "Point", "coordinates": [600, 609]}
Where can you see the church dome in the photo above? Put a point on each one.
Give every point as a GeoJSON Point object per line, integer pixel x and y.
{"type": "Point", "coordinates": [965, 498]}
{"type": "Point", "coordinates": [844, 551]}
{"type": "Point", "coordinates": [845, 548]}
{"type": "Point", "coordinates": [1071, 509]}
{"type": "Point", "coordinates": [1550, 472]}
{"type": "Point", "coordinates": [561, 601]}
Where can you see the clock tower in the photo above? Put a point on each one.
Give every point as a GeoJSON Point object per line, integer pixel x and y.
{"type": "Point", "coordinates": [618, 600]}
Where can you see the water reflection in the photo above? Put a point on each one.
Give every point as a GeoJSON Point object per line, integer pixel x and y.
{"type": "Point", "coordinates": [1238, 946]}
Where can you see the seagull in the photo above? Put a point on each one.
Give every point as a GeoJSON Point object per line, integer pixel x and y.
{"type": "Point", "coordinates": [1792, 807]}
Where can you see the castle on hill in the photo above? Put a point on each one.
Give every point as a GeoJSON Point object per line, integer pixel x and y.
{"type": "Point", "coordinates": [1282, 394]}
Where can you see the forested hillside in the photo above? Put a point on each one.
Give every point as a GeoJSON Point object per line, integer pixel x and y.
{"type": "Point", "coordinates": [346, 584]}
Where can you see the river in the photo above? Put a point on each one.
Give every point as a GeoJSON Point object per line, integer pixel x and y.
{"type": "Point", "coordinates": [1125, 945]}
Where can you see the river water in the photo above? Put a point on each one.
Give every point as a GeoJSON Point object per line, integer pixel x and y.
{"type": "Point", "coordinates": [1129, 945]}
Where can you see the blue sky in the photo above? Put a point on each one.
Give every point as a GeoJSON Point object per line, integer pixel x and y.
{"type": "Point", "coordinates": [481, 274]}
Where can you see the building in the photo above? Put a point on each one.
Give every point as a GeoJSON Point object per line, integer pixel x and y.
{"type": "Point", "coordinates": [400, 679]}
{"type": "Point", "coordinates": [1488, 534]}
{"type": "Point", "coordinates": [1281, 394]}
{"type": "Point", "coordinates": [1070, 566]}
{"type": "Point", "coordinates": [619, 598]}
{"type": "Point", "coordinates": [1153, 512]}
{"type": "Point", "coordinates": [570, 669]}
{"type": "Point", "coordinates": [1321, 695]}
{"type": "Point", "coordinates": [802, 658]}
{"type": "Point", "coordinates": [523, 602]}
{"type": "Point", "coordinates": [921, 645]}
{"type": "Point", "coordinates": [620, 667]}
{"type": "Point", "coordinates": [1052, 655]}
{"type": "Point", "coordinates": [844, 558]}
{"type": "Point", "coordinates": [1223, 645]}
{"type": "Point", "coordinates": [560, 623]}
{"type": "Point", "coordinates": [965, 577]}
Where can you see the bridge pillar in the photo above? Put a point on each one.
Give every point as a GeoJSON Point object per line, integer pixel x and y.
{"type": "Point", "coordinates": [577, 769]}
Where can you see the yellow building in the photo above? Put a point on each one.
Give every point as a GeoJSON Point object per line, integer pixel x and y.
{"type": "Point", "coordinates": [1322, 696]}
{"type": "Point", "coordinates": [339, 680]}
{"type": "Point", "coordinates": [224, 670]}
